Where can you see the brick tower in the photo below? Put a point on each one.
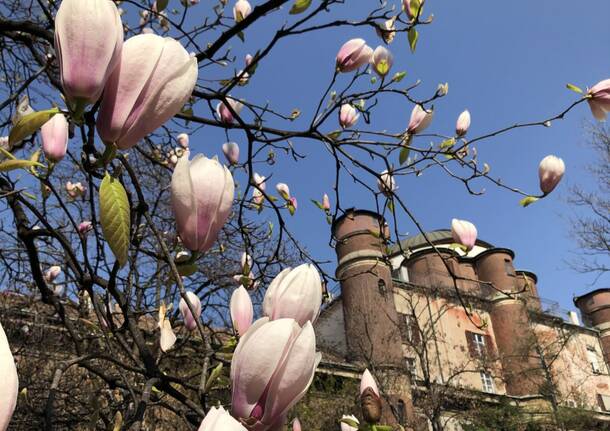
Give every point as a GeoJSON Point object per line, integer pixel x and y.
{"type": "Point", "coordinates": [595, 309]}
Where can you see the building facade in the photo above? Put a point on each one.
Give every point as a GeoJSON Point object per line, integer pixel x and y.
{"type": "Point", "coordinates": [446, 328]}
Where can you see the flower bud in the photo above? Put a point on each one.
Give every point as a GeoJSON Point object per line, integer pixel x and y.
{"type": "Point", "coordinates": [420, 119]}
{"type": "Point", "coordinates": [51, 274]}
{"type": "Point", "coordinates": [387, 30]}
{"type": "Point", "coordinates": [202, 197]}
{"type": "Point", "coordinates": [224, 114]}
{"type": "Point", "coordinates": [463, 123]}
{"type": "Point", "coordinates": [550, 171]}
{"type": "Point", "coordinates": [246, 262]}
{"type": "Point", "coordinates": [348, 116]}
{"type": "Point", "coordinates": [382, 60]}
{"type": "Point", "coordinates": [294, 293]}
{"type": "Point", "coordinates": [296, 424]}
{"type": "Point", "coordinates": [370, 400]}
{"type": "Point", "coordinates": [283, 190]}
{"type": "Point", "coordinates": [190, 321]}
{"type": "Point", "coordinates": [248, 60]}
{"type": "Point", "coordinates": [10, 382]}
{"type": "Point", "coordinates": [241, 10]}
{"type": "Point", "coordinates": [325, 202]}
{"type": "Point", "coordinates": [464, 232]}
{"type": "Point", "coordinates": [218, 419]}
{"type": "Point", "coordinates": [75, 190]}
{"type": "Point", "coordinates": [183, 140]}
{"type": "Point", "coordinates": [242, 310]}
{"type": "Point", "coordinates": [599, 99]}
{"type": "Point", "coordinates": [231, 152]}
{"type": "Point", "coordinates": [346, 427]}
{"type": "Point", "coordinates": [54, 135]}
{"type": "Point", "coordinates": [386, 183]}
{"type": "Point", "coordinates": [353, 54]}
{"type": "Point", "coordinates": [85, 226]}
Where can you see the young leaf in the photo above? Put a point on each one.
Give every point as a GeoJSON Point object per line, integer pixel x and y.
{"type": "Point", "coordinates": [9, 165]}
{"type": "Point", "coordinates": [213, 377]}
{"type": "Point", "coordinates": [114, 217]}
{"type": "Point", "coordinates": [29, 124]}
{"type": "Point", "coordinates": [413, 37]}
{"type": "Point", "coordinates": [299, 6]}
{"type": "Point", "coordinates": [447, 143]}
{"type": "Point", "coordinates": [404, 154]}
{"type": "Point", "coordinates": [318, 204]}
{"type": "Point", "coordinates": [398, 76]}
{"type": "Point", "coordinates": [528, 200]}
{"type": "Point", "coordinates": [574, 88]}
{"type": "Point", "coordinates": [350, 422]}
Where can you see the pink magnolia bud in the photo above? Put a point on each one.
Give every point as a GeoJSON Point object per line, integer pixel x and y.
{"type": "Point", "coordinates": [346, 427]}
{"type": "Point", "coordinates": [85, 226]}
{"type": "Point", "coordinates": [231, 152]}
{"type": "Point", "coordinates": [153, 81]}
{"type": "Point", "coordinates": [599, 99]}
{"type": "Point", "coordinates": [249, 60]}
{"type": "Point", "coordinates": [348, 116]}
{"type": "Point", "coordinates": [283, 190]}
{"type": "Point", "coordinates": [259, 180]}
{"type": "Point", "coordinates": [225, 115]}
{"type": "Point", "coordinates": [202, 196]}
{"type": "Point", "coordinates": [241, 10]}
{"type": "Point", "coordinates": [52, 273]}
{"type": "Point", "coordinates": [325, 202]}
{"type": "Point", "coordinates": [353, 54]}
{"type": "Point", "coordinates": [296, 424]}
{"type": "Point", "coordinates": [386, 183]}
{"type": "Point", "coordinates": [88, 41]}
{"type": "Point", "coordinates": [464, 232]}
{"type": "Point", "coordinates": [190, 321]}
{"type": "Point", "coordinates": [272, 367]}
{"type": "Point", "coordinates": [54, 135]}
{"type": "Point", "coordinates": [241, 310]}
{"type": "Point", "coordinates": [292, 205]}
{"type": "Point", "coordinates": [10, 382]}
{"type": "Point", "coordinates": [420, 119]}
{"type": "Point", "coordinates": [294, 293]}
{"type": "Point", "coordinates": [550, 171]}
{"type": "Point", "coordinates": [75, 190]}
{"type": "Point", "coordinates": [463, 123]}
{"type": "Point", "coordinates": [368, 381]}
{"type": "Point", "coordinates": [382, 60]}
{"type": "Point", "coordinates": [183, 140]}
{"type": "Point", "coordinates": [218, 419]}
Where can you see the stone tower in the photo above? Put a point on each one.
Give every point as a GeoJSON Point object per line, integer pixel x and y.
{"type": "Point", "coordinates": [595, 309]}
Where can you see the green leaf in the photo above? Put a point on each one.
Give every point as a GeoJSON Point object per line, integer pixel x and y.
{"type": "Point", "coordinates": [334, 135]}
{"type": "Point", "coordinates": [404, 154]}
{"type": "Point", "coordinates": [413, 37]}
{"type": "Point", "coordinates": [241, 36]}
{"type": "Point", "coordinates": [350, 422]}
{"type": "Point", "coordinates": [161, 5]}
{"type": "Point", "coordinates": [9, 165]}
{"type": "Point", "coordinates": [398, 76]}
{"type": "Point", "coordinates": [299, 6]}
{"type": "Point", "coordinates": [28, 124]}
{"type": "Point", "coordinates": [528, 200]}
{"type": "Point", "coordinates": [317, 203]}
{"type": "Point", "coordinates": [574, 88]}
{"type": "Point", "coordinates": [114, 217]}
{"type": "Point", "coordinates": [447, 143]}
{"type": "Point", "coordinates": [213, 377]}
{"type": "Point", "coordinates": [382, 428]}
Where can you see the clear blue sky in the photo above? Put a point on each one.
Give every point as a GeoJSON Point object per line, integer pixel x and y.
{"type": "Point", "coordinates": [506, 62]}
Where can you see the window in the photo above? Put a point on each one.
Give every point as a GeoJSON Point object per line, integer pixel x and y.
{"type": "Point", "coordinates": [508, 267]}
{"type": "Point", "coordinates": [411, 366]}
{"type": "Point", "coordinates": [593, 360]}
{"type": "Point", "coordinates": [382, 287]}
{"type": "Point", "coordinates": [487, 382]}
{"type": "Point", "coordinates": [603, 402]}
{"type": "Point", "coordinates": [411, 331]}
{"type": "Point", "coordinates": [479, 345]}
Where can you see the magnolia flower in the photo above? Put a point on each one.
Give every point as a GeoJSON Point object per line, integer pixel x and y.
{"type": "Point", "coordinates": [85, 226]}
{"type": "Point", "coordinates": [52, 273]}
{"type": "Point", "coordinates": [241, 10]}
{"type": "Point", "coordinates": [283, 190]}
{"type": "Point", "coordinates": [387, 30]}
{"type": "Point", "coordinates": [296, 424]}
{"type": "Point", "coordinates": [248, 60]}
{"type": "Point", "coordinates": [386, 183]}
{"type": "Point", "coordinates": [370, 399]}
{"type": "Point", "coordinates": [231, 152]}
{"type": "Point", "coordinates": [346, 427]}
{"type": "Point", "coordinates": [202, 196]}
{"type": "Point", "coordinates": [147, 30]}
{"type": "Point", "coordinates": [325, 202]}
{"type": "Point", "coordinates": [183, 140]}
{"type": "Point", "coordinates": [75, 190]}
{"type": "Point", "coordinates": [153, 81]}
{"type": "Point", "coordinates": [599, 99]}
{"type": "Point", "coordinates": [382, 60]}
{"type": "Point", "coordinates": [218, 419]}
{"type": "Point", "coordinates": [292, 204]}
{"type": "Point", "coordinates": [464, 232]}
{"type": "Point", "coordinates": [88, 43]}
{"type": "Point", "coordinates": [225, 115]}
{"type": "Point", "coordinates": [294, 293]}
{"type": "Point", "coordinates": [550, 171]}
{"type": "Point", "coordinates": [242, 310]}
{"type": "Point", "coordinates": [190, 321]}
{"type": "Point", "coordinates": [246, 262]}
{"type": "Point", "coordinates": [353, 54]}
{"type": "Point", "coordinates": [259, 180]}
{"type": "Point", "coordinates": [272, 368]}
{"type": "Point", "coordinates": [420, 119]}
{"type": "Point", "coordinates": [463, 123]}
{"type": "Point", "coordinates": [167, 338]}
{"type": "Point", "coordinates": [348, 116]}
{"type": "Point", "coordinates": [54, 134]}
{"type": "Point", "coordinates": [10, 382]}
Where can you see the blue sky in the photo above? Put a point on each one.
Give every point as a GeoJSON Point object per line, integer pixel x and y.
{"type": "Point", "coordinates": [506, 62]}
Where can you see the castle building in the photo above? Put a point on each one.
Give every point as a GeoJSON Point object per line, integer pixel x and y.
{"type": "Point", "coordinates": [442, 328]}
